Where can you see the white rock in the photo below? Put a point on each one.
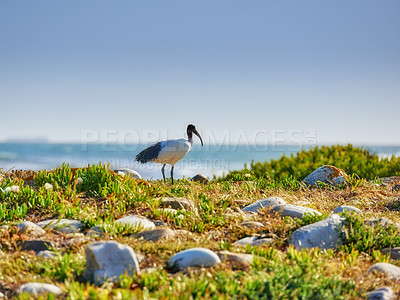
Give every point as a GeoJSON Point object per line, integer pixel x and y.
{"type": "Point", "coordinates": [385, 293]}
{"type": "Point", "coordinates": [46, 254]}
{"type": "Point", "coordinates": [36, 288]}
{"type": "Point", "coordinates": [326, 174]}
{"type": "Point", "coordinates": [106, 261]}
{"type": "Point", "coordinates": [254, 241]}
{"type": "Point", "coordinates": [4, 227]}
{"type": "Point", "coordinates": [194, 257]}
{"type": "Point", "coordinates": [63, 225]}
{"type": "Point", "coordinates": [128, 172]}
{"type": "Point", "coordinates": [348, 208]}
{"type": "Point", "coordinates": [31, 228]}
{"type": "Point", "coordinates": [14, 188]}
{"type": "Point", "coordinates": [260, 204]}
{"type": "Point", "coordinates": [386, 268]}
{"type": "Point", "coordinates": [324, 234]}
{"type": "Point", "coordinates": [137, 222]}
{"type": "Point", "coordinates": [48, 186]}
{"type": "Point", "coordinates": [294, 211]}
{"type": "Point", "coordinates": [246, 259]}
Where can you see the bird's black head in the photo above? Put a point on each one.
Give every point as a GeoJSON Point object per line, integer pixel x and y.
{"type": "Point", "coordinates": [192, 129]}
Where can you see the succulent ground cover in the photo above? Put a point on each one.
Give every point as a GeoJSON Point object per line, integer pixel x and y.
{"type": "Point", "coordinates": [352, 160]}
{"type": "Point", "coordinates": [97, 196]}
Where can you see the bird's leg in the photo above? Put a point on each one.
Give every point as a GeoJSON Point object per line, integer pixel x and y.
{"type": "Point", "coordinates": [172, 175]}
{"type": "Point", "coordinates": [163, 174]}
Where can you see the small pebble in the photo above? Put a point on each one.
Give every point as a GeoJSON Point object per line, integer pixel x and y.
{"type": "Point", "coordinates": [390, 270]}
{"type": "Point", "coordinates": [348, 208]}
{"type": "Point", "coordinates": [194, 257]}
{"type": "Point", "coordinates": [37, 288]}
{"type": "Point", "coordinates": [385, 293]}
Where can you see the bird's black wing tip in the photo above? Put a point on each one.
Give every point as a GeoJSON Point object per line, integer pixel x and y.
{"type": "Point", "coordinates": [149, 154]}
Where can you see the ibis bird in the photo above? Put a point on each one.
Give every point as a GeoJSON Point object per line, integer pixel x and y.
{"type": "Point", "coordinates": [169, 151]}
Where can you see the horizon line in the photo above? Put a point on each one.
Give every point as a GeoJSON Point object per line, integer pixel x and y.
{"type": "Point", "coordinates": [272, 143]}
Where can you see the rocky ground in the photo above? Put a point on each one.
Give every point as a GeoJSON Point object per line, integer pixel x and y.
{"type": "Point", "coordinates": [95, 233]}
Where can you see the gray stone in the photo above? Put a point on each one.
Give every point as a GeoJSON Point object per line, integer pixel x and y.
{"type": "Point", "coordinates": [31, 228]}
{"type": "Point", "coordinates": [252, 224]}
{"type": "Point", "coordinates": [379, 222]}
{"type": "Point", "coordinates": [393, 252]}
{"type": "Point", "coordinates": [95, 231]}
{"type": "Point", "coordinates": [294, 211]}
{"type": "Point", "coordinates": [128, 172]}
{"type": "Point", "coordinates": [63, 225]}
{"type": "Point", "coordinates": [178, 203]}
{"type": "Point", "coordinates": [348, 208]}
{"type": "Point", "coordinates": [46, 254]}
{"type": "Point", "coordinates": [390, 270]}
{"type": "Point", "coordinates": [155, 234]}
{"type": "Point", "coordinates": [194, 257]}
{"type": "Point", "coordinates": [385, 293]}
{"type": "Point", "coordinates": [36, 245]}
{"type": "Point", "coordinates": [390, 180]}
{"type": "Point", "coordinates": [106, 261]}
{"type": "Point", "coordinates": [137, 222]}
{"type": "Point", "coordinates": [159, 223]}
{"type": "Point", "coordinates": [37, 288]}
{"type": "Point", "coordinates": [326, 174]}
{"type": "Point", "coordinates": [263, 203]}
{"type": "Point", "coordinates": [200, 178]}
{"type": "Point", "coordinates": [324, 234]}
{"type": "Point", "coordinates": [254, 240]}
{"type": "Point", "coordinates": [243, 258]}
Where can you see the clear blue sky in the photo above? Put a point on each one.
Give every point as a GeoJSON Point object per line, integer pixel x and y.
{"type": "Point", "coordinates": [242, 67]}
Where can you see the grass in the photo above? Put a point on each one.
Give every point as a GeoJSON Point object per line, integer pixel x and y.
{"type": "Point", "coordinates": [97, 196]}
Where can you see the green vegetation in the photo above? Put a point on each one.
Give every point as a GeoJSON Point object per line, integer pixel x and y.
{"type": "Point", "coordinates": [351, 159]}
{"type": "Point", "coordinates": [97, 196]}
{"type": "Point", "coordinates": [361, 237]}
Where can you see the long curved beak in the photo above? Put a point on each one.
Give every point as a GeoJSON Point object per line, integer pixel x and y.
{"type": "Point", "coordinates": [196, 133]}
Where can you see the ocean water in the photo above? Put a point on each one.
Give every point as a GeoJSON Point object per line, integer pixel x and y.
{"type": "Point", "coordinates": [209, 160]}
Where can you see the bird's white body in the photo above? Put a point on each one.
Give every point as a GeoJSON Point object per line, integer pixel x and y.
{"type": "Point", "coordinates": [173, 150]}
